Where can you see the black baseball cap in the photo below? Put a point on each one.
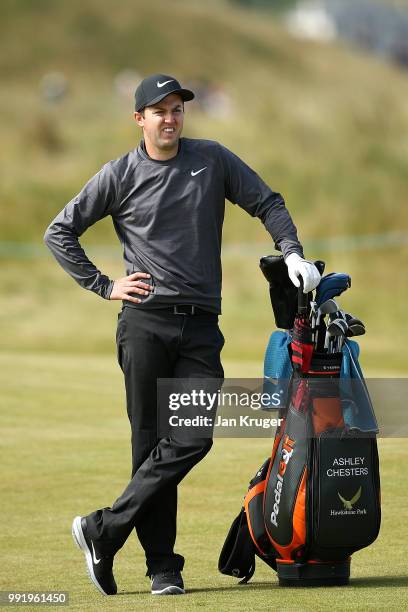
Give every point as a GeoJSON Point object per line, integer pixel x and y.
{"type": "Point", "coordinates": [156, 87]}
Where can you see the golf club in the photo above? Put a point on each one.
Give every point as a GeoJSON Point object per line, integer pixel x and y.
{"type": "Point", "coordinates": [355, 326]}
{"type": "Point", "coordinates": [328, 307]}
{"type": "Point", "coordinates": [337, 328]}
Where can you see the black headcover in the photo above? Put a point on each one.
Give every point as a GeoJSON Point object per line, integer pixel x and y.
{"type": "Point", "coordinates": [237, 557]}
{"type": "Point", "coordinates": [282, 291]}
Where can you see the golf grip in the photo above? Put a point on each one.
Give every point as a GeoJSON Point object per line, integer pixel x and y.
{"type": "Point", "coordinates": [302, 299]}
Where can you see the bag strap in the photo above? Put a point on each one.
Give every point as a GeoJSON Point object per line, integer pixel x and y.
{"type": "Point", "coordinates": [250, 574]}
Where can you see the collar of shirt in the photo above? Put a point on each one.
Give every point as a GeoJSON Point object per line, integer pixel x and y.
{"type": "Point", "coordinates": [144, 154]}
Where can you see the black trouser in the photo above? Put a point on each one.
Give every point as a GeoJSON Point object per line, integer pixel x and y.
{"type": "Point", "coordinates": [156, 344]}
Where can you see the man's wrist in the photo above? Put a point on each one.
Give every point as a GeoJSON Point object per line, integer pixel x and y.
{"type": "Point", "coordinates": [287, 247]}
{"type": "Point", "coordinates": [106, 292]}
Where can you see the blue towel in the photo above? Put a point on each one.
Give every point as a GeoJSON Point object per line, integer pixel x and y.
{"type": "Point", "coordinates": [277, 367]}
{"type": "Point", "coordinates": [358, 412]}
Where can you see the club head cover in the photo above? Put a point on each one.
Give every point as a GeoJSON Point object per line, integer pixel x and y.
{"type": "Point", "coordinates": [283, 293]}
{"type": "Point", "coordinates": [331, 286]}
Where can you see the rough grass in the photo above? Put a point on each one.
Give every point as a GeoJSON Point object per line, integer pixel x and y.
{"type": "Point", "coordinates": [65, 450]}
{"type": "Point", "coordinates": [325, 126]}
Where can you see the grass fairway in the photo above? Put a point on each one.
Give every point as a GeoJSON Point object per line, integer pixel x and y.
{"type": "Point", "coordinates": [65, 451]}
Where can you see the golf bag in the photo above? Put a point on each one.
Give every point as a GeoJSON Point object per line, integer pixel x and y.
{"type": "Point", "coordinates": [316, 499]}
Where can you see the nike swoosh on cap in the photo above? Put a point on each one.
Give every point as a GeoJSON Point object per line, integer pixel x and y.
{"type": "Point", "coordinates": [195, 172]}
{"type": "Point", "coordinates": [164, 83]}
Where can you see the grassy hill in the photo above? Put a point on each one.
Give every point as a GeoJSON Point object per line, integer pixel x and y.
{"type": "Point", "coordinates": [323, 125]}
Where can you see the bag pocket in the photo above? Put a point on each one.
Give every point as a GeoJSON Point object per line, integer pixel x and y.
{"type": "Point", "coordinates": [237, 557]}
{"type": "Point", "coordinates": [345, 494]}
{"type": "Point", "coordinates": [253, 505]}
{"type": "Point", "coordinates": [285, 492]}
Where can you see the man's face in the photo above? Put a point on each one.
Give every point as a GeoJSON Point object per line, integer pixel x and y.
{"type": "Point", "coordinates": [162, 124]}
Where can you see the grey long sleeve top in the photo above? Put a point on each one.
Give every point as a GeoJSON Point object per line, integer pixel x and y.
{"type": "Point", "coordinates": [168, 216]}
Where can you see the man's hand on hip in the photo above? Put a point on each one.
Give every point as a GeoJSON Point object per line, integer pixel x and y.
{"type": "Point", "coordinates": [297, 266]}
{"type": "Point", "coordinates": [123, 288]}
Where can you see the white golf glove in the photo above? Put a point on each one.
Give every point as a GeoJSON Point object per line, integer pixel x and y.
{"type": "Point", "coordinates": [297, 266]}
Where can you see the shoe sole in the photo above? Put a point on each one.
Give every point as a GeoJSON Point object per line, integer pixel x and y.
{"type": "Point", "coordinates": [170, 590]}
{"type": "Point", "coordinates": [79, 539]}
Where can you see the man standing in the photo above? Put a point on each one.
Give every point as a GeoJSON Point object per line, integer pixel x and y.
{"type": "Point", "coordinates": [166, 199]}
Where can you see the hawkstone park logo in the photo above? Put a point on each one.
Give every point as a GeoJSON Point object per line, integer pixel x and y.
{"type": "Point", "coordinates": [348, 505]}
